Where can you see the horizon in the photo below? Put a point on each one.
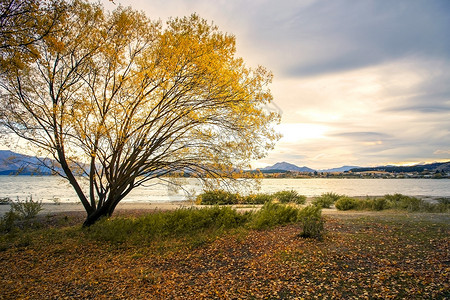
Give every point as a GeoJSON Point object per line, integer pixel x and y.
{"type": "Point", "coordinates": [362, 166]}
{"type": "Point", "coordinates": [254, 167]}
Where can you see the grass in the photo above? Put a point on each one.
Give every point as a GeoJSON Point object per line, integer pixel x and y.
{"type": "Point", "coordinates": [185, 223]}
{"type": "Point", "coordinates": [195, 224]}
{"type": "Point", "coordinates": [393, 201]}
{"type": "Point", "coordinates": [218, 253]}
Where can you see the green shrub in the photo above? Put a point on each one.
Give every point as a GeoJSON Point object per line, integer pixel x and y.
{"type": "Point", "coordinates": [444, 200]}
{"type": "Point", "coordinates": [8, 220]}
{"type": "Point", "coordinates": [404, 202]}
{"type": "Point", "coordinates": [395, 201]}
{"type": "Point", "coordinates": [257, 199]}
{"type": "Point", "coordinates": [379, 204]}
{"type": "Point", "coordinates": [27, 209]}
{"type": "Point", "coordinates": [273, 214]}
{"type": "Point", "coordinates": [325, 200]}
{"type": "Point", "coordinates": [289, 197]}
{"type": "Point", "coordinates": [20, 210]}
{"type": "Point", "coordinates": [437, 207]}
{"type": "Point", "coordinates": [371, 204]}
{"type": "Point", "coordinates": [312, 222]}
{"type": "Point", "coordinates": [346, 203]}
{"type": "Point", "coordinates": [218, 197]}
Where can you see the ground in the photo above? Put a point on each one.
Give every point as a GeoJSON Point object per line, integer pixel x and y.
{"type": "Point", "coordinates": [362, 256]}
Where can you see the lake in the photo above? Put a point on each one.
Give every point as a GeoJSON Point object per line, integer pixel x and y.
{"type": "Point", "coordinates": [48, 188]}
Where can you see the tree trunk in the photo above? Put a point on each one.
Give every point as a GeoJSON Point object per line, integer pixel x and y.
{"type": "Point", "coordinates": [103, 211]}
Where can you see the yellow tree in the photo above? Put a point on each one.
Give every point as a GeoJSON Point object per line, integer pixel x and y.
{"type": "Point", "coordinates": [121, 100]}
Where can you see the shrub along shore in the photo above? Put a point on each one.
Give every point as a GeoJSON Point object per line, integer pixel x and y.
{"type": "Point", "coordinates": [328, 200]}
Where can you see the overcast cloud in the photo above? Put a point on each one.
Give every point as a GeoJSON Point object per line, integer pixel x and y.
{"type": "Point", "coordinates": [359, 82]}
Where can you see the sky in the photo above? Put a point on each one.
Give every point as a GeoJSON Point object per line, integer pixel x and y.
{"type": "Point", "coordinates": [357, 82]}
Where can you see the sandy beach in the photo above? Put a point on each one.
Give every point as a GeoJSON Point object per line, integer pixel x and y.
{"type": "Point", "coordinates": [51, 208]}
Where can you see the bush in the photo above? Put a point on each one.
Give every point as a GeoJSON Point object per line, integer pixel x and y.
{"type": "Point", "coordinates": [27, 209]}
{"type": "Point", "coordinates": [312, 222]}
{"type": "Point", "coordinates": [444, 200]}
{"type": "Point", "coordinates": [257, 199]}
{"type": "Point", "coordinates": [400, 201]}
{"type": "Point", "coordinates": [8, 220]}
{"type": "Point", "coordinates": [218, 197]}
{"type": "Point", "coordinates": [325, 200]}
{"type": "Point", "coordinates": [20, 210]}
{"type": "Point", "coordinates": [346, 203]}
{"type": "Point", "coordinates": [289, 197]}
{"type": "Point", "coordinates": [273, 214]}
{"type": "Point", "coordinates": [371, 204]}
{"type": "Point", "coordinates": [395, 201]}
{"type": "Point", "coordinates": [379, 204]}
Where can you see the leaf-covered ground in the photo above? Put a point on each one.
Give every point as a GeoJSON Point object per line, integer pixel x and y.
{"type": "Point", "coordinates": [380, 255]}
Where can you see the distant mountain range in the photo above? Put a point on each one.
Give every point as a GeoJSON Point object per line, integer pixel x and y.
{"type": "Point", "coordinates": [341, 169]}
{"type": "Point", "coordinates": [12, 163]}
{"type": "Point", "coordinates": [285, 167]}
{"type": "Point", "coordinates": [434, 167]}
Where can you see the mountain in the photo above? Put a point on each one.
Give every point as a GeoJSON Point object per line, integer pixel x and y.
{"type": "Point", "coordinates": [440, 167]}
{"type": "Point", "coordinates": [341, 169]}
{"type": "Point", "coordinates": [12, 163]}
{"type": "Point", "coordinates": [284, 166]}
{"type": "Point", "coordinates": [444, 168]}
{"type": "Point", "coordinates": [431, 167]}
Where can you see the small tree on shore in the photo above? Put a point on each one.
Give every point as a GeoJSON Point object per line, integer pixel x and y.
{"type": "Point", "coordinates": [121, 100]}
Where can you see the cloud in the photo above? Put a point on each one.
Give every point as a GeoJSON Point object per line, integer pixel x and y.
{"type": "Point", "coordinates": [439, 151]}
{"type": "Point", "coordinates": [325, 37]}
{"type": "Point", "coordinates": [358, 82]}
{"type": "Point", "coordinates": [393, 112]}
{"type": "Point", "coordinates": [363, 136]}
{"type": "Point", "coordinates": [304, 38]}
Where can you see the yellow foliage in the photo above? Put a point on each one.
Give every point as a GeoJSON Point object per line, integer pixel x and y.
{"type": "Point", "coordinates": [139, 97]}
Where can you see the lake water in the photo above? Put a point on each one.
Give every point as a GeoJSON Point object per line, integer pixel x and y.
{"type": "Point", "coordinates": [47, 188]}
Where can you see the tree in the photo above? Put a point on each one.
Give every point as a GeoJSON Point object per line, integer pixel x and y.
{"type": "Point", "coordinates": [120, 100]}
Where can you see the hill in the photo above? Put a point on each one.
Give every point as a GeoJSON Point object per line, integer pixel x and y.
{"type": "Point", "coordinates": [340, 169]}
{"type": "Point", "coordinates": [433, 167]}
{"type": "Point", "coordinates": [284, 167]}
{"type": "Point", "coordinates": [12, 163]}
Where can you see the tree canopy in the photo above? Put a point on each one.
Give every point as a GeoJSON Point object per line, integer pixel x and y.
{"type": "Point", "coordinates": [22, 24]}
{"type": "Point", "coordinates": [121, 99]}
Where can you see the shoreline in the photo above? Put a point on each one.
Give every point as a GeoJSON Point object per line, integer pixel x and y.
{"type": "Point", "coordinates": [51, 208]}
{"type": "Point", "coordinates": [70, 207]}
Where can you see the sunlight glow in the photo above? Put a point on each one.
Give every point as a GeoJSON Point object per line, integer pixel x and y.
{"type": "Point", "coordinates": [297, 132]}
